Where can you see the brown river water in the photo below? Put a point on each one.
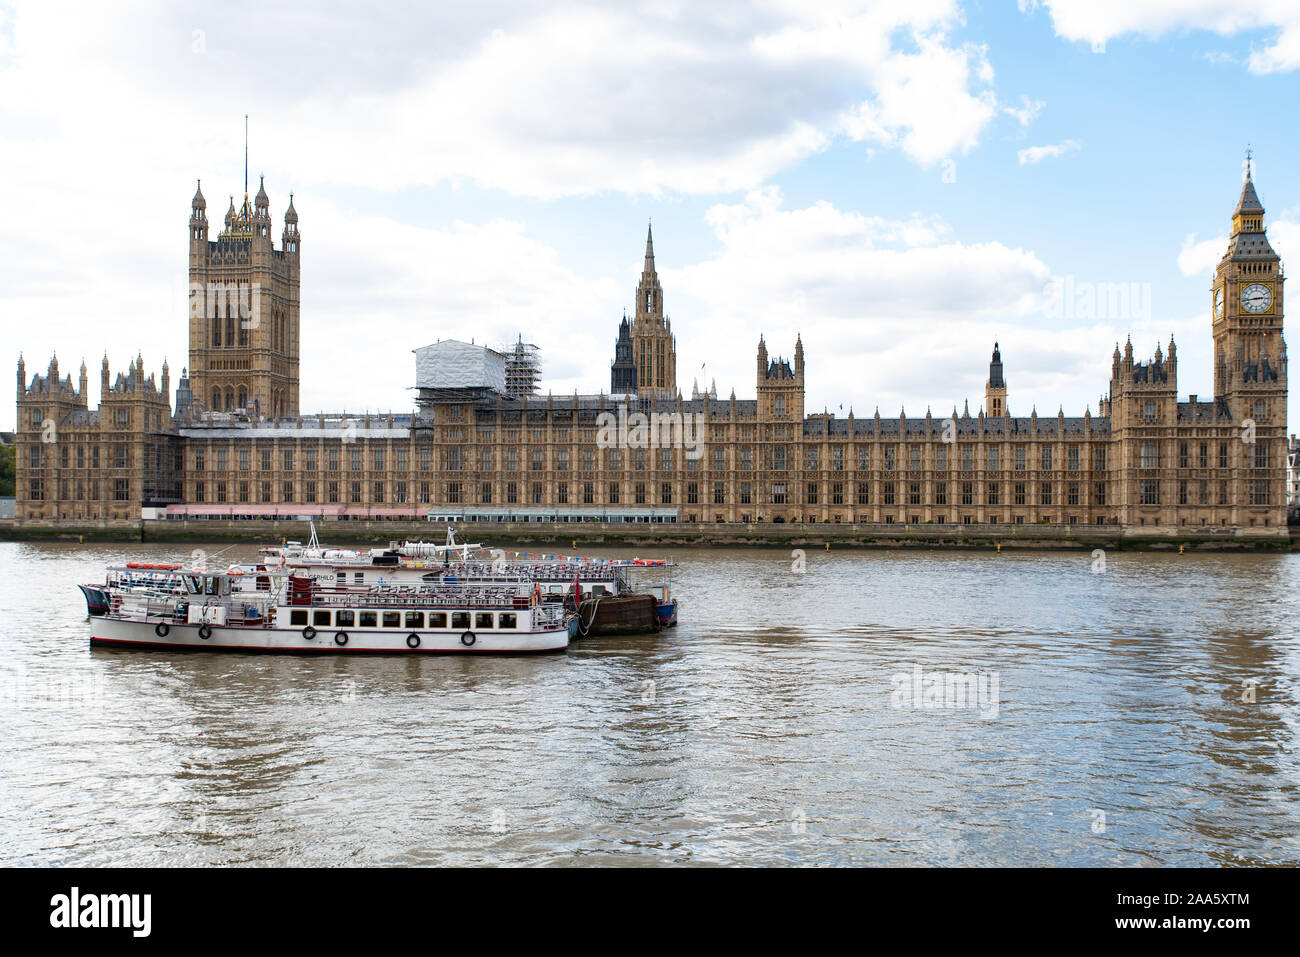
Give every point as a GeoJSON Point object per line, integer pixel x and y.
{"type": "Point", "coordinates": [877, 707]}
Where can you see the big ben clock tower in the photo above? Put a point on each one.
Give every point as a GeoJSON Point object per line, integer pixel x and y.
{"type": "Point", "coordinates": [1246, 304]}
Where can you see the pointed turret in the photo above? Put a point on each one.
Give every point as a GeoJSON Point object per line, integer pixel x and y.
{"type": "Point", "coordinates": [995, 389]}
{"type": "Point", "coordinates": [1249, 202]}
{"type": "Point", "coordinates": [262, 202]}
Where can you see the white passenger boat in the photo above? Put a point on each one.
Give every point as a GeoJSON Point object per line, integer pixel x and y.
{"type": "Point", "coordinates": [218, 611]}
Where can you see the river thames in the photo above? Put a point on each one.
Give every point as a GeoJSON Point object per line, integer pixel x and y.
{"type": "Point", "coordinates": [832, 708]}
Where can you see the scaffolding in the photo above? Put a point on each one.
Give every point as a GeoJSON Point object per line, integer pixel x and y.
{"type": "Point", "coordinates": [523, 367]}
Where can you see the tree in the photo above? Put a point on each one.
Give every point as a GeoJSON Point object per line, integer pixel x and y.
{"type": "Point", "coordinates": [7, 454]}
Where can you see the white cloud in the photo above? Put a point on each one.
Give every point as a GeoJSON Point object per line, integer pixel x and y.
{"type": "Point", "coordinates": [1195, 258]}
{"type": "Point", "coordinates": [543, 101]}
{"type": "Point", "coordinates": [924, 103]}
{"type": "Point", "coordinates": [1027, 112]}
{"type": "Point", "coordinates": [1097, 21]}
{"type": "Point", "coordinates": [889, 310]}
{"type": "Point", "coordinates": [1036, 154]}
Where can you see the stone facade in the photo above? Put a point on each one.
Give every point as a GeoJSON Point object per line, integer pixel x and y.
{"type": "Point", "coordinates": [1148, 459]}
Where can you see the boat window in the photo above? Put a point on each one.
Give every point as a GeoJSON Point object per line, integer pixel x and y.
{"type": "Point", "coordinates": [392, 619]}
{"type": "Point", "coordinates": [437, 619]}
{"type": "Point", "coordinates": [209, 585]}
{"type": "Point", "coordinates": [342, 577]}
{"type": "Point", "coordinates": [415, 619]}
{"type": "Point", "coordinates": [369, 619]}
{"type": "Point", "coordinates": [460, 619]}
{"type": "Point", "coordinates": [483, 619]}
{"type": "Point", "coordinates": [507, 619]}
{"type": "Point", "coordinates": [321, 618]}
{"type": "Point", "coordinates": [345, 619]}
{"type": "Point", "coordinates": [358, 577]}
{"type": "Point", "coordinates": [298, 617]}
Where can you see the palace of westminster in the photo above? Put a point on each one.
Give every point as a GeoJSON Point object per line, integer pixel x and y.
{"type": "Point", "coordinates": [236, 444]}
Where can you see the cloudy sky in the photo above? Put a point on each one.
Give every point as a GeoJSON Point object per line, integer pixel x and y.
{"type": "Point", "coordinates": [901, 184]}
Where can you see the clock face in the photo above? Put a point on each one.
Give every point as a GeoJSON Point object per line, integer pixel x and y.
{"type": "Point", "coordinates": [1218, 303]}
{"type": "Point", "coordinates": [1256, 297]}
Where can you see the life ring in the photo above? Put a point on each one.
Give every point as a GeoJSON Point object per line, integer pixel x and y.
{"type": "Point", "coordinates": [205, 631]}
{"type": "Point", "coordinates": [468, 639]}
{"type": "Point", "coordinates": [413, 640]}
{"type": "Point", "coordinates": [309, 632]}
{"type": "Point", "coordinates": [161, 629]}
{"type": "Point", "coordinates": [341, 638]}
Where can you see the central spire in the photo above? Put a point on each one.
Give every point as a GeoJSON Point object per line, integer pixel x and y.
{"type": "Point", "coordinates": [649, 251]}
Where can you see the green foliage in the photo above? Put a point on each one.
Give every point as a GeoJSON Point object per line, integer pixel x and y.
{"type": "Point", "coordinates": [6, 471]}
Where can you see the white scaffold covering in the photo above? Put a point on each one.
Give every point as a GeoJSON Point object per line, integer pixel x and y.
{"type": "Point", "coordinates": [452, 364]}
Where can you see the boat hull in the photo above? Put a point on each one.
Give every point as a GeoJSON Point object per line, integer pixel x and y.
{"type": "Point", "coordinates": [96, 599]}
{"type": "Point", "coordinates": [667, 614]}
{"type": "Point", "coordinates": [620, 615]}
{"type": "Point", "coordinates": [122, 633]}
